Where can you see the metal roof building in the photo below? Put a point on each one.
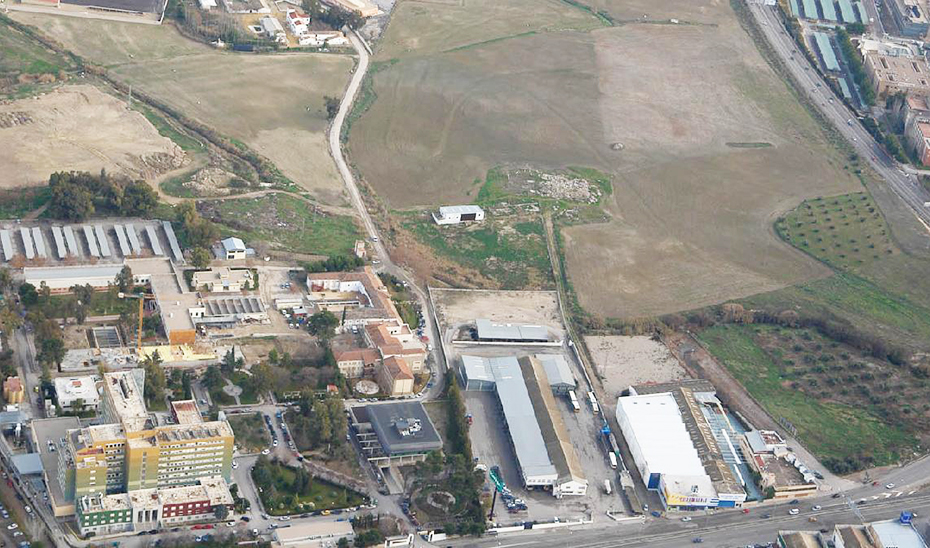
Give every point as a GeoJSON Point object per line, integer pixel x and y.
{"type": "Point", "coordinates": [39, 242]}
{"type": "Point", "coordinates": [829, 11]}
{"type": "Point", "coordinates": [61, 279]}
{"type": "Point", "coordinates": [59, 242]}
{"type": "Point", "coordinates": [153, 240]}
{"type": "Point", "coordinates": [826, 51]}
{"type": "Point", "coordinates": [659, 441]}
{"type": "Point", "coordinates": [28, 464]}
{"type": "Point", "coordinates": [173, 242]}
{"type": "Point", "coordinates": [476, 374]}
{"type": "Point", "coordinates": [810, 9]}
{"type": "Point", "coordinates": [133, 239]}
{"type": "Point", "coordinates": [27, 242]}
{"type": "Point", "coordinates": [102, 240]}
{"type": "Point", "coordinates": [73, 247]}
{"type": "Point", "coordinates": [863, 15]}
{"type": "Point", "coordinates": [8, 250]}
{"type": "Point", "coordinates": [450, 215]}
{"type": "Point", "coordinates": [558, 372]}
{"type": "Point", "coordinates": [488, 331]}
{"type": "Point", "coordinates": [122, 241]}
{"type": "Point", "coordinates": [91, 241]}
{"type": "Point", "coordinates": [846, 11]}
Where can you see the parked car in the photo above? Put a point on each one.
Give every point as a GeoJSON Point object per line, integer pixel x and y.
{"type": "Point", "coordinates": [793, 512]}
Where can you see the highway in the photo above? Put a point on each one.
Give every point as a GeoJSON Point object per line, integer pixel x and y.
{"type": "Point", "coordinates": [845, 122]}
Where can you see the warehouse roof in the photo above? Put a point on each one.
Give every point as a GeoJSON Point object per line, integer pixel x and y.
{"type": "Point", "coordinates": [233, 244]}
{"type": "Point", "coordinates": [515, 332]}
{"type": "Point", "coordinates": [660, 432]}
{"type": "Point", "coordinates": [459, 210]}
{"type": "Point", "coordinates": [403, 427]}
{"type": "Point", "coordinates": [477, 368]}
{"type": "Point", "coordinates": [557, 370]}
{"type": "Point", "coordinates": [76, 273]}
{"type": "Point", "coordinates": [528, 442]}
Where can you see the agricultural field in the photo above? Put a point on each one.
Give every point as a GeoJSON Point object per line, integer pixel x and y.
{"type": "Point", "coordinates": [851, 410]}
{"type": "Point", "coordinates": [704, 144]}
{"type": "Point", "coordinates": [79, 128]}
{"type": "Point", "coordinates": [26, 66]}
{"type": "Point", "coordinates": [284, 222]}
{"type": "Point", "coordinates": [272, 103]}
{"type": "Point", "coordinates": [877, 287]}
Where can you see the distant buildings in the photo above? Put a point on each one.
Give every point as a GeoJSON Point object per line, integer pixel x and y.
{"type": "Point", "coordinates": [452, 215]}
{"type": "Point", "coordinates": [361, 294]}
{"type": "Point", "coordinates": [910, 17]}
{"type": "Point", "coordinates": [916, 117]}
{"type": "Point", "coordinates": [896, 533]}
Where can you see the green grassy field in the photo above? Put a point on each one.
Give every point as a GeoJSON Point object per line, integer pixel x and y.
{"type": "Point", "coordinates": [509, 249]}
{"type": "Point", "coordinates": [321, 495]}
{"type": "Point", "coordinates": [285, 222]}
{"type": "Point", "coordinates": [830, 429]}
{"type": "Point", "coordinates": [20, 54]}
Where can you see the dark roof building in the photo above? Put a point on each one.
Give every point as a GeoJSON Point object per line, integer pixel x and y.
{"type": "Point", "coordinates": [403, 428]}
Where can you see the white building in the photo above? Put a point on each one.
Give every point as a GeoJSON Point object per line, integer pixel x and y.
{"type": "Point", "coordinates": [71, 389]}
{"type": "Point", "coordinates": [297, 22]}
{"type": "Point", "coordinates": [223, 279]}
{"type": "Point", "coordinates": [662, 450]}
{"type": "Point", "coordinates": [272, 29]}
{"type": "Point", "coordinates": [234, 248]}
{"type": "Point", "coordinates": [453, 215]}
{"type": "Point", "coordinates": [61, 279]}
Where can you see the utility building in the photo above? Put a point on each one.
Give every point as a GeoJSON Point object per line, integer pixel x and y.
{"type": "Point", "coordinates": [453, 215]}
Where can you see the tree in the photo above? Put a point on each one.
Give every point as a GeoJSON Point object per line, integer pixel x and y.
{"type": "Point", "coordinates": [139, 200]}
{"type": "Point", "coordinates": [5, 279]}
{"type": "Point", "coordinates": [332, 106]}
{"type": "Point", "coordinates": [212, 377]}
{"type": "Point", "coordinates": [342, 543]}
{"type": "Point", "coordinates": [52, 351]}
{"type": "Point", "coordinates": [124, 279]}
{"type": "Point", "coordinates": [262, 377]}
{"type": "Point", "coordinates": [155, 379]}
{"type": "Point", "coordinates": [45, 291]}
{"type": "Point", "coordinates": [78, 404]}
{"type": "Point", "coordinates": [221, 512]}
{"type": "Point", "coordinates": [69, 201]}
{"type": "Point", "coordinates": [323, 325]}
{"type": "Point", "coordinates": [28, 294]}
{"type": "Point", "coordinates": [200, 258]}
{"type": "Point", "coordinates": [230, 362]}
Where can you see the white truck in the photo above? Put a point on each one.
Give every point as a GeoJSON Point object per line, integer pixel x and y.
{"type": "Point", "coordinates": [608, 487]}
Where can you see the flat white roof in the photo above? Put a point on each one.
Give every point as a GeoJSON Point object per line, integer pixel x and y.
{"type": "Point", "coordinates": [661, 435]}
{"type": "Point", "coordinates": [459, 209]}
{"type": "Point", "coordinates": [77, 387]}
{"type": "Point", "coordinates": [476, 369]}
{"type": "Point", "coordinates": [488, 330]}
{"type": "Point", "coordinates": [71, 272]}
{"type": "Point", "coordinates": [895, 533]}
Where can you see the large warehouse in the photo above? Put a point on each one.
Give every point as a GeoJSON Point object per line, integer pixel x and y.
{"type": "Point", "coordinates": [61, 279]}
{"type": "Point", "coordinates": [512, 333]}
{"type": "Point", "coordinates": [545, 457]}
{"type": "Point", "coordinates": [674, 447]}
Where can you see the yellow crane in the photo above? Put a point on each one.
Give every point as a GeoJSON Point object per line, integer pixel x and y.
{"type": "Point", "coordinates": [142, 298]}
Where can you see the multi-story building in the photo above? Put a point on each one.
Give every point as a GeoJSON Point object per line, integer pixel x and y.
{"type": "Point", "coordinates": [892, 74]}
{"type": "Point", "coordinates": [361, 295]}
{"type": "Point", "coordinates": [910, 17]}
{"type": "Point", "coordinates": [13, 391]}
{"type": "Point", "coordinates": [147, 509]}
{"type": "Point", "coordinates": [392, 340]}
{"type": "Point", "coordinates": [223, 279]}
{"type": "Point", "coordinates": [131, 453]}
{"type": "Point", "coordinates": [104, 514]}
{"type": "Point", "coordinates": [357, 362]}
{"type": "Point", "coordinates": [76, 393]}
{"type": "Point", "coordinates": [394, 377]}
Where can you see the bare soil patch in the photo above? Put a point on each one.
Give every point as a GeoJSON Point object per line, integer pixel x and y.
{"type": "Point", "coordinates": [621, 362]}
{"type": "Point", "coordinates": [455, 306]}
{"type": "Point", "coordinates": [79, 128]}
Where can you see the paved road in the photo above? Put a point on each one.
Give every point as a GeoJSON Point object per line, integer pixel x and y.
{"type": "Point", "coordinates": [906, 187]}
{"type": "Point", "coordinates": [380, 253]}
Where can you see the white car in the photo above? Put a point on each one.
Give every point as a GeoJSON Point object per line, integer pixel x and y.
{"type": "Point", "coordinates": [816, 507]}
{"type": "Point", "coordinates": [266, 452]}
{"type": "Point", "coordinates": [889, 486]}
{"type": "Point", "coordinates": [12, 526]}
{"type": "Point", "coordinates": [17, 534]}
{"type": "Point", "coordinates": [686, 519]}
{"type": "Point", "coordinates": [793, 512]}
{"type": "Point", "coordinates": [274, 443]}
{"type": "Point", "coordinates": [235, 465]}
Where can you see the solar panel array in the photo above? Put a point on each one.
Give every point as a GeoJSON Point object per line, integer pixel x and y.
{"type": "Point", "coordinates": [133, 239]}
{"type": "Point", "coordinates": [153, 240]}
{"type": "Point", "coordinates": [846, 11]}
{"type": "Point", "coordinates": [27, 243]}
{"type": "Point", "coordinates": [91, 241]}
{"type": "Point", "coordinates": [826, 51]}
{"type": "Point", "coordinates": [102, 240]}
{"type": "Point", "coordinates": [829, 11]}
{"type": "Point", "coordinates": [73, 248]}
{"type": "Point", "coordinates": [121, 239]}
